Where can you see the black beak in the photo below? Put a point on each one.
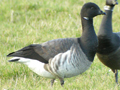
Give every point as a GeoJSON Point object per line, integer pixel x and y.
{"type": "Point", "coordinates": [102, 13]}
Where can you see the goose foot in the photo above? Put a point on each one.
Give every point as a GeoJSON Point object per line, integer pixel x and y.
{"type": "Point", "coordinates": [52, 81]}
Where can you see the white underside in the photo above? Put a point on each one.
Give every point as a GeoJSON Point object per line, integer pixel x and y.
{"type": "Point", "coordinates": [36, 66]}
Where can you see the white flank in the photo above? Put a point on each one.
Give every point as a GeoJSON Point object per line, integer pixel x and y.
{"type": "Point", "coordinates": [36, 66]}
{"type": "Point", "coordinates": [71, 63]}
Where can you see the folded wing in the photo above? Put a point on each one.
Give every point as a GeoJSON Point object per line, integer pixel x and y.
{"type": "Point", "coordinates": [43, 52]}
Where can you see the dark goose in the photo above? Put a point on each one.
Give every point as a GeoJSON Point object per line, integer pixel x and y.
{"type": "Point", "coordinates": [108, 50]}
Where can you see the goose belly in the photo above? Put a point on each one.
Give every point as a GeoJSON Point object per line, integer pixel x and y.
{"type": "Point", "coordinates": [73, 67]}
{"type": "Point", "coordinates": [69, 64]}
{"type": "Point", "coordinates": [72, 71]}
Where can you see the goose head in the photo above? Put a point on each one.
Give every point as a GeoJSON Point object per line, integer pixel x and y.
{"type": "Point", "coordinates": [111, 2]}
{"type": "Point", "coordinates": [90, 10]}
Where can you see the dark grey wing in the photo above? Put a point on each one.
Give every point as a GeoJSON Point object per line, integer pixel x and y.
{"type": "Point", "coordinates": [28, 52]}
{"type": "Point", "coordinates": [43, 52]}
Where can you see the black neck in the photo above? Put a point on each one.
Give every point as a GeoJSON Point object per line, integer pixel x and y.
{"type": "Point", "coordinates": [108, 41]}
{"type": "Point", "coordinates": [87, 29]}
{"type": "Point", "coordinates": [106, 25]}
{"type": "Point", "coordinates": [88, 41]}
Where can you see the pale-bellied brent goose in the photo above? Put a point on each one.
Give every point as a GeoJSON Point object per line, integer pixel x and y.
{"type": "Point", "coordinates": [63, 58]}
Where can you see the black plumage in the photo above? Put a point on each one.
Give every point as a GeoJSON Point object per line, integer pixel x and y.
{"type": "Point", "coordinates": [108, 50]}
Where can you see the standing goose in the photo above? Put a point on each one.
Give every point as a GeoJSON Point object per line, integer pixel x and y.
{"type": "Point", "coordinates": [63, 58]}
{"type": "Point", "coordinates": [108, 50]}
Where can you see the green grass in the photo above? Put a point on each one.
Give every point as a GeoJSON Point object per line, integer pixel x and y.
{"type": "Point", "coordinates": [23, 22]}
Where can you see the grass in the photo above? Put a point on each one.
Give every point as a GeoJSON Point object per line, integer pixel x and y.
{"type": "Point", "coordinates": [23, 22]}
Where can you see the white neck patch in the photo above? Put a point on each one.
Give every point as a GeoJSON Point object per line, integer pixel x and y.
{"type": "Point", "coordinates": [86, 18]}
{"type": "Point", "coordinates": [108, 8]}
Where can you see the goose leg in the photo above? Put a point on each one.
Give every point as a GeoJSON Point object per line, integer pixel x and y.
{"type": "Point", "coordinates": [61, 81]}
{"type": "Point", "coordinates": [116, 76]}
{"type": "Point", "coordinates": [52, 81]}
{"type": "Point", "coordinates": [115, 71]}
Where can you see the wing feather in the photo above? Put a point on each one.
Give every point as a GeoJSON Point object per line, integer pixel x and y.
{"type": "Point", "coordinates": [43, 52]}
